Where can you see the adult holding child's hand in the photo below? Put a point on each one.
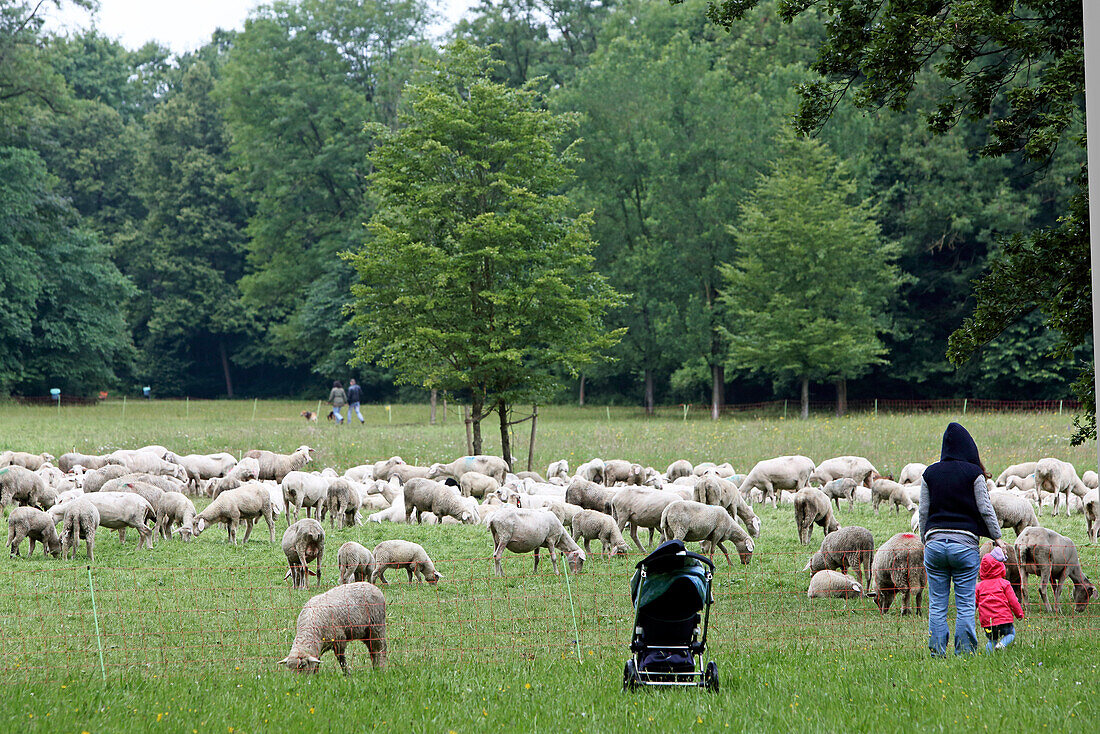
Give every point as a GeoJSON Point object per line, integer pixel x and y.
{"type": "Point", "coordinates": [954, 512]}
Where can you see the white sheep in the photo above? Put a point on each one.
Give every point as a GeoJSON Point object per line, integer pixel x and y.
{"type": "Point", "coordinates": [912, 473]}
{"type": "Point", "coordinates": [363, 473]}
{"type": "Point", "coordinates": [811, 506]}
{"type": "Point", "coordinates": [790, 473]}
{"type": "Point", "coordinates": [331, 620]}
{"type": "Point", "coordinates": [175, 509]}
{"type": "Point", "coordinates": [693, 521]}
{"type": "Point", "coordinates": [492, 466]}
{"type": "Point", "coordinates": [591, 471]}
{"type": "Point", "coordinates": [853, 467]}
{"type": "Point", "coordinates": [118, 511]}
{"type": "Point", "coordinates": [1053, 558]}
{"type": "Point", "coordinates": [248, 502]}
{"type": "Point", "coordinates": [591, 525]}
{"type": "Point", "coordinates": [838, 489]}
{"type": "Point", "coordinates": [523, 531]}
{"type": "Point", "coordinates": [641, 508]}
{"type": "Point", "coordinates": [304, 490]}
{"type": "Point", "coordinates": [69, 461]}
{"type": "Point", "coordinates": [303, 542]}
{"type": "Point", "coordinates": [403, 554]}
{"type": "Point", "coordinates": [725, 470]}
{"type": "Point", "coordinates": [589, 495]}
{"type": "Point", "coordinates": [342, 503]}
{"type": "Point", "coordinates": [1092, 514]}
{"type": "Point", "coordinates": [1058, 477]}
{"type": "Point", "coordinates": [147, 463]}
{"type": "Point", "coordinates": [276, 466]}
{"type": "Point", "coordinates": [204, 466]}
{"type": "Point", "coordinates": [679, 468]}
{"type": "Point", "coordinates": [1090, 479]}
{"type": "Point", "coordinates": [1016, 470]}
{"type": "Point", "coordinates": [617, 471]}
{"type": "Point", "coordinates": [898, 568]}
{"type": "Point", "coordinates": [356, 563]}
{"type": "Point", "coordinates": [33, 462]}
{"type": "Point", "coordinates": [30, 522]}
{"type": "Point", "coordinates": [712, 489]}
{"type": "Point", "coordinates": [833, 584]}
{"type": "Point", "coordinates": [851, 547]}
{"type": "Point", "coordinates": [476, 484]}
{"type": "Point", "coordinates": [1012, 511]}
{"type": "Point", "coordinates": [22, 486]}
{"type": "Point", "coordinates": [78, 522]}
{"type": "Point", "coordinates": [557, 470]}
{"type": "Point", "coordinates": [427, 495]}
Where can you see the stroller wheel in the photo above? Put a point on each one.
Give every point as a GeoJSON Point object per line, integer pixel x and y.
{"type": "Point", "coordinates": [710, 677]}
{"type": "Point", "coordinates": [630, 676]}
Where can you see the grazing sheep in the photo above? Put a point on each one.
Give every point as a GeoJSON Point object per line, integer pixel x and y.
{"type": "Point", "coordinates": [558, 470]}
{"type": "Point", "coordinates": [343, 503]}
{"type": "Point", "coordinates": [69, 461]}
{"type": "Point", "coordinates": [247, 469]}
{"type": "Point", "coordinates": [853, 467]}
{"type": "Point", "coordinates": [403, 554]}
{"type": "Point", "coordinates": [1024, 484]}
{"type": "Point", "coordinates": [898, 568]}
{"type": "Point", "coordinates": [118, 511]}
{"type": "Point", "coordinates": [811, 506]}
{"type": "Point", "coordinates": [1053, 558]}
{"type": "Point", "coordinates": [833, 584]}
{"type": "Point", "coordinates": [790, 473]}
{"type": "Point", "coordinates": [33, 462]}
{"type": "Point", "coordinates": [887, 490]}
{"type": "Point", "coordinates": [852, 547]}
{"type": "Point", "coordinates": [492, 466]}
{"type": "Point", "coordinates": [30, 522]}
{"type": "Point", "coordinates": [427, 495]}
{"type": "Point", "coordinates": [394, 513]}
{"type": "Point", "coordinates": [1012, 511]}
{"type": "Point", "coordinates": [22, 486]}
{"type": "Point", "coordinates": [304, 541]}
{"type": "Point", "coordinates": [356, 563]}
{"type": "Point", "coordinates": [174, 509]}
{"type": "Point", "coordinates": [302, 489]}
{"type": "Point", "coordinates": [1092, 514]}
{"type": "Point", "coordinates": [523, 531]}
{"type": "Point", "coordinates": [1058, 477]}
{"type": "Point", "coordinates": [94, 480]}
{"type": "Point", "coordinates": [693, 521]}
{"type": "Point", "coordinates": [276, 466]}
{"type": "Point", "coordinates": [712, 489]}
{"type": "Point", "coordinates": [363, 473]}
{"type": "Point", "coordinates": [406, 472]}
{"type": "Point", "coordinates": [248, 502]}
{"type": "Point", "coordinates": [1016, 470]}
{"type": "Point", "coordinates": [679, 468]}
{"type": "Point", "coordinates": [1012, 567]}
{"type": "Point", "coordinates": [476, 484]}
{"type": "Point", "coordinates": [532, 475]}
{"type": "Point", "coordinates": [591, 471]}
{"type": "Point", "coordinates": [331, 620]}
{"type": "Point", "coordinates": [78, 522]}
{"type": "Point", "coordinates": [1090, 479]}
{"type": "Point", "coordinates": [204, 466]}
{"type": "Point", "coordinates": [147, 463]}
{"type": "Point", "coordinates": [641, 508]}
{"type": "Point", "coordinates": [589, 495]}
{"type": "Point", "coordinates": [617, 470]}
{"type": "Point", "coordinates": [912, 473]}
{"type": "Point", "coordinates": [843, 488]}
{"type": "Point", "coordinates": [591, 525]}
{"type": "Point", "coordinates": [383, 469]}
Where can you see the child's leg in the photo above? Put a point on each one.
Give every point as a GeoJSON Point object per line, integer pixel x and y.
{"type": "Point", "coordinates": [1007, 637]}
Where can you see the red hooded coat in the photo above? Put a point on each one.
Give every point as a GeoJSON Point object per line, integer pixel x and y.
{"type": "Point", "coordinates": [997, 602]}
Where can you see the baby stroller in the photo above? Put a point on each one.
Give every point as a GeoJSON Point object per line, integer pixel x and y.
{"type": "Point", "coordinates": [669, 589]}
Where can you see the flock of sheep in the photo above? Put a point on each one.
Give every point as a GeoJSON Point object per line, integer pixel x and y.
{"type": "Point", "coordinates": [147, 489]}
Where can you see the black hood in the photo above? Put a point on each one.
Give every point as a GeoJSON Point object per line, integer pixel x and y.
{"type": "Point", "coordinates": [959, 446]}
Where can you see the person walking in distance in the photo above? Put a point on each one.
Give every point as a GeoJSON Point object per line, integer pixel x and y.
{"type": "Point", "coordinates": [338, 398]}
{"type": "Point", "coordinates": [355, 394]}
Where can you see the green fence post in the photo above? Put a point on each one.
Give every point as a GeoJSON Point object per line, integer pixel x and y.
{"type": "Point", "coordinates": [964, 406]}
{"type": "Point", "coordinates": [95, 616]}
{"type": "Point", "coordinates": [123, 407]}
{"type": "Point", "coordinates": [254, 401]}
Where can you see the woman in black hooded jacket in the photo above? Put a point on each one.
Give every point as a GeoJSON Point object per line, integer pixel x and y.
{"type": "Point", "coordinates": [954, 512]}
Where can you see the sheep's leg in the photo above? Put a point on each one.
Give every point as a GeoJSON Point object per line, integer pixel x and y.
{"type": "Point", "coordinates": [269, 516]}
{"type": "Point", "coordinates": [1056, 592]}
{"type": "Point", "coordinates": [553, 559]}
{"type": "Point", "coordinates": [726, 553]}
{"type": "Point", "coordinates": [536, 560]}
{"type": "Point", "coordinates": [376, 646]}
{"type": "Point", "coordinates": [498, 554]}
{"type": "Point", "coordinates": [410, 570]}
{"type": "Point", "coordinates": [248, 523]}
{"type": "Point", "coordinates": [122, 535]}
{"type": "Point", "coordinates": [634, 535]}
{"type": "Point", "coordinates": [231, 526]}
{"type": "Point", "coordinates": [338, 649]}
{"type": "Point", "coordinates": [650, 538]}
{"type": "Point", "coordinates": [1044, 579]}
{"type": "Point", "coordinates": [587, 544]}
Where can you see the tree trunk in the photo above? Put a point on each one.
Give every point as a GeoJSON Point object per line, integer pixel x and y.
{"type": "Point", "coordinates": [469, 435]}
{"type": "Point", "coordinates": [531, 447]}
{"type": "Point", "coordinates": [444, 407]}
{"type": "Point", "coordinates": [225, 370]}
{"type": "Point", "coordinates": [841, 397]}
{"type": "Point", "coordinates": [717, 390]}
{"type": "Point", "coordinates": [435, 397]}
{"type": "Point", "coordinates": [805, 412]}
{"type": "Point", "coordinates": [475, 423]}
{"type": "Point", "coordinates": [505, 439]}
{"type": "Point", "coordinates": [580, 400]}
{"type": "Point", "coordinates": [649, 392]}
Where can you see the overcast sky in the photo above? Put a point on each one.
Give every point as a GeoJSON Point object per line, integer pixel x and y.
{"type": "Point", "coordinates": [183, 25]}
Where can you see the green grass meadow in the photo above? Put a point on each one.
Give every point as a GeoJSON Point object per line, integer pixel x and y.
{"type": "Point", "coordinates": [192, 632]}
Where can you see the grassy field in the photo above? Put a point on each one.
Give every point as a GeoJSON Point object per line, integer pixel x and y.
{"type": "Point", "coordinates": [191, 632]}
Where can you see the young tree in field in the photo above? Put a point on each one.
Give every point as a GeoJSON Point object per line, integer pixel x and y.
{"type": "Point", "coordinates": [477, 275]}
{"type": "Point", "coordinates": [806, 296]}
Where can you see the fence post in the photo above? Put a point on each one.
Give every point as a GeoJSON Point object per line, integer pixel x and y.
{"type": "Point", "coordinates": [608, 408]}
{"type": "Point", "coordinates": [964, 406]}
{"type": "Point", "coordinates": [784, 409]}
{"type": "Point", "coordinates": [685, 412]}
{"type": "Point", "coordinates": [876, 407]}
{"type": "Point", "coordinates": [1060, 407]}
{"type": "Point", "coordinates": [389, 414]}
{"type": "Point", "coordinates": [95, 616]}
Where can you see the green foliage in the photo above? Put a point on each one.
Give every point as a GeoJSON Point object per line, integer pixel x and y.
{"type": "Point", "coordinates": [477, 275]}
{"type": "Point", "coordinates": [807, 295]}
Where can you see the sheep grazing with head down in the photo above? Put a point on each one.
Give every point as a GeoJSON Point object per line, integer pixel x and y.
{"type": "Point", "coordinates": [790, 473]}
{"type": "Point", "coordinates": [276, 466]}
{"type": "Point", "coordinates": [641, 507]}
{"type": "Point", "coordinates": [331, 620]}
{"type": "Point", "coordinates": [679, 468]}
{"type": "Point", "coordinates": [557, 470]}
{"type": "Point", "coordinates": [33, 462]}
{"type": "Point", "coordinates": [912, 473]}
{"type": "Point", "coordinates": [342, 503]}
{"type": "Point", "coordinates": [78, 522]}
{"type": "Point", "coordinates": [898, 568]}
{"type": "Point", "coordinates": [591, 525]}
{"type": "Point", "coordinates": [356, 563]}
{"type": "Point", "coordinates": [1060, 478]}
{"type": "Point", "coordinates": [403, 554]}
{"type": "Point", "coordinates": [69, 461]}
{"type": "Point", "coordinates": [427, 495]}
{"type": "Point", "coordinates": [850, 548]}
{"type": "Point", "coordinates": [1092, 514]}
{"type": "Point", "coordinates": [833, 584]}
{"type": "Point", "coordinates": [118, 511]}
{"type": "Point", "coordinates": [617, 471]}
{"type": "Point", "coordinates": [1053, 558]}
{"type": "Point", "coordinates": [853, 467]}
{"type": "Point", "coordinates": [93, 481]}
{"type": "Point", "coordinates": [590, 495]}
{"type": "Point", "coordinates": [249, 503]}
{"type": "Point", "coordinates": [303, 542]}
{"type": "Point", "coordinates": [1013, 572]}
{"type": "Point", "coordinates": [175, 510]}
{"type": "Point", "coordinates": [887, 490]}
{"type": "Point", "coordinates": [693, 521]}
{"type": "Point", "coordinates": [1016, 470]}
{"type": "Point", "coordinates": [811, 506]}
{"type": "Point", "coordinates": [1090, 479]}
{"type": "Point", "coordinates": [491, 466]}
{"type": "Point", "coordinates": [21, 486]}
{"type": "Point", "coordinates": [523, 531]}
{"type": "Point", "coordinates": [712, 489]}
{"type": "Point", "coordinates": [30, 522]}
{"type": "Point", "coordinates": [476, 484]}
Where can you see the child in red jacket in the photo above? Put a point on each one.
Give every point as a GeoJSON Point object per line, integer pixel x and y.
{"type": "Point", "coordinates": [997, 602]}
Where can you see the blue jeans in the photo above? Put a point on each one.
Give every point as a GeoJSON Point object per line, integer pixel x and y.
{"type": "Point", "coordinates": [947, 561]}
{"type": "Point", "coordinates": [336, 412]}
{"type": "Point", "coordinates": [354, 408]}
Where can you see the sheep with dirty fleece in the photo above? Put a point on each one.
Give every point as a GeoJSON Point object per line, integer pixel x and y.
{"type": "Point", "coordinates": [476, 484]}
{"type": "Point", "coordinates": [303, 542]}
{"type": "Point", "coordinates": [641, 508]}
{"type": "Point", "coordinates": [1060, 478]}
{"type": "Point", "coordinates": [691, 521]}
{"type": "Point", "coordinates": [246, 470]}
{"type": "Point", "coordinates": [403, 554]}
{"type": "Point", "coordinates": [118, 511]}
{"type": "Point", "coordinates": [174, 511]}
{"type": "Point", "coordinates": [38, 526]}
{"type": "Point", "coordinates": [1053, 558]}
{"type": "Point", "coordinates": [712, 489]}
{"type": "Point", "coordinates": [850, 548]}
{"type": "Point", "coordinates": [248, 502]}
{"type": "Point", "coordinates": [79, 521]}
{"type": "Point", "coordinates": [838, 489]}
{"type": "Point", "coordinates": [524, 531]}
{"type": "Point", "coordinates": [898, 568]}
{"type": "Point", "coordinates": [853, 467]}
{"type": "Point", "coordinates": [790, 473]}
{"type": "Point", "coordinates": [21, 486]}
{"type": "Point", "coordinates": [356, 563]}
{"type": "Point", "coordinates": [811, 506]}
{"type": "Point", "coordinates": [331, 620]}
{"type": "Point", "coordinates": [825, 584]}
{"type": "Point", "coordinates": [342, 503]}
{"type": "Point", "coordinates": [591, 525]}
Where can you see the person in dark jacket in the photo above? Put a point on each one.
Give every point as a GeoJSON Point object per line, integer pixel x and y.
{"type": "Point", "coordinates": [355, 394]}
{"type": "Point", "coordinates": [954, 512]}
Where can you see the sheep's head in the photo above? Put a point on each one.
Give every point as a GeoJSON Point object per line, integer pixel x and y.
{"type": "Point", "coordinates": [197, 526]}
{"type": "Point", "coordinates": [298, 662]}
{"type": "Point", "coordinates": [185, 532]}
{"type": "Point", "coordinates": [49, 458]}
{"type": "Point", "coordinates": [576, 559]}
{"type": "Point", "coordinates": [745, 548]}
{"type": "Point", "coordinates": [754, 527]}
{"type": "Point", "coordinates": [1082, 593]}
{"type": "Point", "coordinates": [620, 549]}
{"type": "Point", "coordinates": [432, 577]}
{"type": "Point", "coordinates": [435, 470]}
{"type": "Point", "coordinates": [53, 545]}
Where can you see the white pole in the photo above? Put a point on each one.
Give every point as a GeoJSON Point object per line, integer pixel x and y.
{"type": "Point", "coordinates": [1091, 38]}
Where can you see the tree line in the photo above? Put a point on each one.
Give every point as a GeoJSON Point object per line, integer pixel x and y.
{"type": "Point", "coordinates": [178, 220]}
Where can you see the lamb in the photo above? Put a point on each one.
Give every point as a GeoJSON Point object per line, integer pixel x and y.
{"type": "Point", "coordinates": [641, 508]}
{"type": "Point", "coordinates": [403, 554]}
{"type": "Point", "coordinates": [523, 531]}
{"type": "Point", "coordinates": [898, 568]}
{"type": "Point", "coordinates": [558, 470]}
{"type": "Point", "coordinates": [853, 467]}
{"type": "Point", "coordinates": [1059, 477]}
{"type": "Point", "coordinates": [427, 495]}
{"type": "Point", "coordinates": [1016, 470]}
{"type": "Point", "coordinates": [94, 480]}
{"type": "Point", "coordinates": [887, 490]}
{"type": "Point", "coordinates": [790, 473]}
{"type": "Point", "coordinates": [331, 620]}
{"type": "Point", "coordinates": [693, 521]}
{"type": "Point", "coordinates": [1024, 484]}
{"type": "Point", "coordinates": [532, 475]}
{"type": "Point", "coordinates": [248, 502]}
{"type": "Point", "coordinates": [33, 462]}
{"type": "Point", "coordinates": [247, 469]}
{"type": "Point", "coordinates": [78, 522]}
{"type": "Point", "coordinates": [118, 510]}
{"type": "Point", "coordinates": [30, 522]}
{"type": "Point", "coordinates": [363, 473]}
{"type": "Point", "coordinates": [476, 484]}
{"type": "Point", "coordinates": [69, 461]}
{"type": "Point", "coordinates": [405, 472]}
{"type": "Point", "coordinates": [589, 495]}
{"type": "Point", "coordinates": [356, 563]}
{"type": "Point", "coordinates": [714, 490]}
{"type": "Point", "coordinates": [912, 473]}
{"type": "Point", "coordinates": [394, 513]}
{"type": "Point", "coordinates": [843, 488]}
{"type": "Point", "coordinates": [617, 470]}
{"type": "Point", "coordinates": [1013, 511]}
{"type": "Point", "coordinates": [852, 547]}
{"type": "Point", "coordinates": [591, 471]}
{"type": "Point", "coordinates": [591, 525]}
{"type": "Point", "coordinates": [1053, 558]}
{"type": "Point", "coordinates": [175, 509]}
{"type": "Point", "coordinates": [1092, 514]}
{"type": "Point", "coordinates": [811, 506]}
{"type": "Point", "coordinates": [1012, 567]}
{"type": "Point", "coordinates": [304, 541]}
{"type": "Point", "coordinates": [833, 584]}
{"type": "Point", "coordinates": [343, 502]}
{"type": "Point", "coordinates": [277, 466]}
{"type": "Point", "coordinates": [492, 466]}
{"type": "Point", "coordinates": [302, 489]}
{"type": "Point", "coordinates": [22, 486]}
{"type": "Point", "coordinates": [679, 468]}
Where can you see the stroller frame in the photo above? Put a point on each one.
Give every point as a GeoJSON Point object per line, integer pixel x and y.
{"type": "Point", "coordinates": [701, 676]}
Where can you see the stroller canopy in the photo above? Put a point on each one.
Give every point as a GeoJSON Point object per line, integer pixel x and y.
{"type": "Point", "coordinates": [676, 585]}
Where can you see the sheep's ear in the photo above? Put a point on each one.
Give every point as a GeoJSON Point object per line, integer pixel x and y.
{"type": "Point", "coordinates": [312, 659]}
{"type": "Point", "coordinates": [284, 661]}
{"type": "Point", "coordinates": [807, 567]}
